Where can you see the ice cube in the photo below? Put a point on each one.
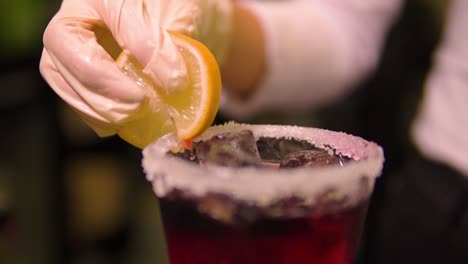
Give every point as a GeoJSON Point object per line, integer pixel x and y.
{"type": "Point", "coordinates": [274, 149]}
{"type": "Point", "coordinates": [310, 158]}
{"type": "Point", "coordinates": [229, 149]}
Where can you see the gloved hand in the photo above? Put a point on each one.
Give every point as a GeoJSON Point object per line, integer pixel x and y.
{"type": "Point", "coordinates": [85, 37]}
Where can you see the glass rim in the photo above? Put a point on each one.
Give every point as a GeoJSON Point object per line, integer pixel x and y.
{"type": "Point", "coordinates": [265, 186]}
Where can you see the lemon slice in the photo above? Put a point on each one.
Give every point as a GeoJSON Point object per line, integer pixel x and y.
{"type": "Point", "coordinates": [187, 111]}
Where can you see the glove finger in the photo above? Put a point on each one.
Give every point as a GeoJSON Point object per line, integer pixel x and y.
{"type": "Point", "coordinates": [53, 77]}
{"type": "Point", "coordinates": [89, 70]}
{"type": "Point", "coordinates": [139, 28]}
{"type": "Point", "coordinates": [214, 27]}
{"type": "Point", "coordinates": [166, 66]}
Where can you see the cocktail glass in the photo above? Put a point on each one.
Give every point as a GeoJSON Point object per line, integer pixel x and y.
{"type": "Point", "coordinates": [262, 214]}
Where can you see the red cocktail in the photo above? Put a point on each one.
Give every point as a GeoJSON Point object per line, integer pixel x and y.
{"type": "Point", "coordinates": [261, 213]}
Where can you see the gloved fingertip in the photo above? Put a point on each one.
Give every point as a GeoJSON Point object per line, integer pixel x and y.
{"type": "Point", "coordinates": [133, 93]}
{"type": "Point", "coordinates": [102, 132]}
{"type": "Point", "coordinates": [102, 129]}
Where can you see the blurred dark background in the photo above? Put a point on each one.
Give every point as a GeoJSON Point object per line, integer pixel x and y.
{"type": "Point", "coordinates": [67, 196]}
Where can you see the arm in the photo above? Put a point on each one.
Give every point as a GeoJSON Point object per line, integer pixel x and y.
{"type": "Point", "coordinates": [439, 130]}
{"type": "Point", "coordinates": [248, 46]}
{"type": "Point", "coordinates": [308, 53]}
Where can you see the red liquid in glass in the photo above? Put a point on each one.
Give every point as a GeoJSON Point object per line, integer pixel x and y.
{"type": "Point", "coordinates": [325, 239]}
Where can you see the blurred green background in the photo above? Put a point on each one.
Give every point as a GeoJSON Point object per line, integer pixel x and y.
{"type": "Point", "coordinates": [67, 196]}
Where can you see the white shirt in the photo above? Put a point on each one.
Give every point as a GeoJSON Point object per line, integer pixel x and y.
{"type": "Point", "coordinates": [318, 50]}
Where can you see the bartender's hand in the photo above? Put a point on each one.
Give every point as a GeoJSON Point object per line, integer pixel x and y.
{"type": "Point", "coordinates": [83, 40]}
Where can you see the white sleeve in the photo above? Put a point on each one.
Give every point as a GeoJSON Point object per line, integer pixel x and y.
{"type": "Point", "coordinates": [440, 128]}
{"type": "Point", "coordinates": [317, 50]}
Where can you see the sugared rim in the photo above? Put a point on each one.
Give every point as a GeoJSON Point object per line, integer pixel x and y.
{"type": "Point", "coordinates": [266, 186]}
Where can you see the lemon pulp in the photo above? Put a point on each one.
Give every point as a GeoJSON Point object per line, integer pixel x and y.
{"type": "Point", "coordinates": [188, 111]}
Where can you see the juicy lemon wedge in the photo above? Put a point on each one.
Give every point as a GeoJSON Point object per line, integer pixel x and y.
{"type": "Point", "coordinates": [188, 111]}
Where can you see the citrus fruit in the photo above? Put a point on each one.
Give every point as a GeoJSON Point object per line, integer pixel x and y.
{"type": "Point", "coordinates": [187, 111]}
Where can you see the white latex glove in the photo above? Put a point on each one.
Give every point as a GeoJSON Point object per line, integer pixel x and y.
{"type": "Point", "coordinates": [83, 39]}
